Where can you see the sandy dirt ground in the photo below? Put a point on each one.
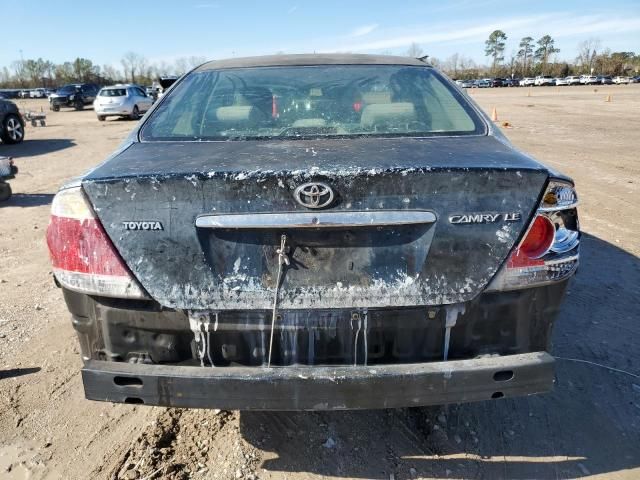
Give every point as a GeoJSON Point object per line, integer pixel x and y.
{"type": "Point", "coordinates": [589, 427]}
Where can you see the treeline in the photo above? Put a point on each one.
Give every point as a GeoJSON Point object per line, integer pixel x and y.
{"type": "Point", "coordinates": [536, 57]}
{"type": "Point", "coordinates": [135, 68]}
{"type": "Point", "coordinates": [532, 57]}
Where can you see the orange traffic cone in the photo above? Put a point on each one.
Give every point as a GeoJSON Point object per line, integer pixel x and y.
{"type": "Point", "coordinates": [608, 99]}
{"type": "Point", "coordinates": [494, 114]}
{"type": "Point", "coordinates": [529, 93]}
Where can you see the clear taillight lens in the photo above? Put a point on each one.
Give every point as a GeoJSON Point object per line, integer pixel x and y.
{"type": "Point", "coordinates": [82, 255]}
{"type": "Point", "coordinates": [549, 251]}
{"type": "Point", "coordinates": [559, 196]}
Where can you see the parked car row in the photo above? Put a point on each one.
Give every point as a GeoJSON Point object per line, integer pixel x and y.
{"type": "Point", "coordinates": [118, 100]}
{"type": "Point", "coordinates": [26, 93]}
{"type": "Point", "coordinates": [580, 80]}
{"type": "Point", "coordinates": [122, 100]}
{"type": "Point", "coordinates": [547, 80]}
{"type": "Point", "coordinates": [488, 82]}
{"type": "Point", "coordinates": [595, 80]}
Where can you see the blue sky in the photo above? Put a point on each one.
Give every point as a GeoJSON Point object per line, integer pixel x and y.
{"type": "Point", "coordinates": [165, 30]}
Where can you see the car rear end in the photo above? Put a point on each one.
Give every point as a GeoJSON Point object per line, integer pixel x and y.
{"type": "Point", "coordinates": [305, 244]}
{"type": "Point", "coordinates": [113, 102]}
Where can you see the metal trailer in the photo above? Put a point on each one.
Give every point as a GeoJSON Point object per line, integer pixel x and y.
{"type": "Point", "coordinates": [36, 118]}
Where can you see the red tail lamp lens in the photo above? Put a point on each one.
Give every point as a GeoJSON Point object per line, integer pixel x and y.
{"type": "Point", "coordinates": [539, 238]}
{"type": "Point", "coordinates": [83, 257]}
{"type": "Point", "coordinates": [82, 246]}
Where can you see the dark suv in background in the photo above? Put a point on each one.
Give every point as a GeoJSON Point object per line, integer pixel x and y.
{"type": "Point", "coordinates": [75, 95]}
{"type": "Point", "coordinates": [11, 123]}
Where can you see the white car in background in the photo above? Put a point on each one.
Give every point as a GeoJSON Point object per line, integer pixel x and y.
{"type": "Point", "coordinates": [588, 79]}
{"type": "Point", "coordinates": [527, 82]}
{"type": "Point", "coordinates": [122, 101]}
{"type": "Point", "coordinates": [37, 93]}
{"type": "Point", "coordinates": [544, 80]}
{"type": "Point", "coordinates": [561, 81]}
{"type": "Point", "coordinates": [573, 80]}
{"type": "Point", "coordinates": [620, 80]}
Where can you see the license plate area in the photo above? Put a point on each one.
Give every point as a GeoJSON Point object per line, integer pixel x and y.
{"type": "Point", "coordinates": [341, 257]}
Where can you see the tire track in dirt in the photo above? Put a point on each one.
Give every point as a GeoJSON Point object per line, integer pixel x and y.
{"type": "Point", "coordinates": [187, 444]}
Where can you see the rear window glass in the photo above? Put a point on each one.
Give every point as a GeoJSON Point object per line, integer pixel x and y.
{"type": "Point", "coordinates": [311, 102]}
{"type": "Point", "coordinates": [113, 92]}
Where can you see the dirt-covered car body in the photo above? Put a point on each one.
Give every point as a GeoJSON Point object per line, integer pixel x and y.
{"type": "Point", "coordinates": [315, 232]}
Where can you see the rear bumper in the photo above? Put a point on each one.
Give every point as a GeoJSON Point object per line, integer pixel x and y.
{"type": "Point", "coordinates": [320, 388]}
{"type": "Point", "coordinates": [113, 111]}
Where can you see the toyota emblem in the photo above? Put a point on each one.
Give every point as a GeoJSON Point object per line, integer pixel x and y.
{"type": "Point", "coordinates": [314, 195]}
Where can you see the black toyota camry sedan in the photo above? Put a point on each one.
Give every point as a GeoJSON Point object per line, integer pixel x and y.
{"type": "Point", "coordinates": [307, 232]}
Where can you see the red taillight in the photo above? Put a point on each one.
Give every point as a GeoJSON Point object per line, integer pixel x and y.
{"type": "Point", "coordinates": [549, 251]}
{"type": "Point", "coordinates": [82, 246]}
{"type": "Point", "coordinates": [82, 255]}
{"type": "Point", "coordinates": [535, 244]}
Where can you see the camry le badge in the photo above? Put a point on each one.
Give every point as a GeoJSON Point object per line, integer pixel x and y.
{"type": "Point", "coordinates": [467, 218]}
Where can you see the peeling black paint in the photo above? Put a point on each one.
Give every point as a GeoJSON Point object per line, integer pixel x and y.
{"type": "Point", "coordinates": [185, 267]}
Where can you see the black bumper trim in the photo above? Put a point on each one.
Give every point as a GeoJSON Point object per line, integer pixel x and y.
{"type": "Point", "coordinates": [320, 388]}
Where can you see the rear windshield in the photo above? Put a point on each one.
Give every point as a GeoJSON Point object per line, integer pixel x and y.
{"type": "Point", "coordinates": [113, 92]}
{"type": "Point", "coordinates": [312, 102]}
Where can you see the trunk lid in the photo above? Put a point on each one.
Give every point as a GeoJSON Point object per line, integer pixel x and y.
{"type": "Point", "coordinates": [469, 198]}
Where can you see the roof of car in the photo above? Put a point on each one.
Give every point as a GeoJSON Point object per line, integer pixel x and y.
{"type": "Point", "coordinates": [311, 59]}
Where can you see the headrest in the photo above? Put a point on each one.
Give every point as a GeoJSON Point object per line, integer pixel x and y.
{"type": "Point", "coordinates": [387, 112]}
{"type": "Point", "coordinates": [237, 113]}
{"type": "Point", "coordinates": [309, 122]}
{"type": "Point", "coordinates": [376, 97]}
